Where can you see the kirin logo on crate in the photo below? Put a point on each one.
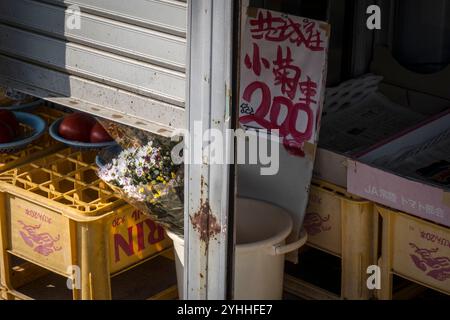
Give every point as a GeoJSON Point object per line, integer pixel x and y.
{"type": "Point", "coordinates": [134, 236]}
{"type": "Point", "coordinates": [431, 261]}
{"type": "Point", "coordinates": [39, 235]}
{"type": "Point", "coordinates": [314, 223]}
{"type": "Point", "coordinates": [41, 242]}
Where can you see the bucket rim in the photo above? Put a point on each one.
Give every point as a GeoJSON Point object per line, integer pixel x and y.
{"type": "Point", "coordinates": [275, 239]}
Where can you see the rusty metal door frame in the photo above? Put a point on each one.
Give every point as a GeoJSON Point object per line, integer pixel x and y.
{"type": "Point", "coordinates": [207, 189]}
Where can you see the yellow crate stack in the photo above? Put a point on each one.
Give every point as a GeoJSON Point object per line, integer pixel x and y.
{"type": "Point", "coordinates": [413, 249]}
{"type": "Point", "coordinates": [343, 225]}
{"type": "Point", "coordinates": [39, 148]}
{"type": "Point", "coordinates": [56, 213]}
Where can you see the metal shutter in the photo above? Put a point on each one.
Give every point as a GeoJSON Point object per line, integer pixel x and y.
{"type": "Point", "coordinates": [126, 62]}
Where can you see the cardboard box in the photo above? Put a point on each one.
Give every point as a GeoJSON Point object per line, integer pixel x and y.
{"type": "Point", "coordinates": [355, 118]}
{"type": "Point", "coordinates": [425, 94]}
{"type": "Point", "coordinates": [368, 177]}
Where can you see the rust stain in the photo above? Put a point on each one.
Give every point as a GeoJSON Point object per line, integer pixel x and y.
{"type": "Point", "coordinates": [203, 221]}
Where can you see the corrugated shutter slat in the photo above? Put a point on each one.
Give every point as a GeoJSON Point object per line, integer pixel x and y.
{"type": "Point", "coordinates": [132, 52]}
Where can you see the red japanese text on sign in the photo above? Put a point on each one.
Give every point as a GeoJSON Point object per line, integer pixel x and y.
{"type": "Point", "coordinates": [280, 29]}
{"type": "Point", "coordinates": [281, 83]}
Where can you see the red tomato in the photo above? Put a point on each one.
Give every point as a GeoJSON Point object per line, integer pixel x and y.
{"type": "Point", "coordinates": [10, 119]}
{"type": "Point", "coordinates": [6, 133]}
{"type": "Point", "coordinates": [99, 134]}
{"type": "Point", "coordinates": [77, 127]}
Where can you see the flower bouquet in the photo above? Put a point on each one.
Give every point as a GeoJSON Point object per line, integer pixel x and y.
{"type": "Point", "coordinates": [143, 173]}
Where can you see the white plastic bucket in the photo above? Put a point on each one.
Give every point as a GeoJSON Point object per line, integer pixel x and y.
{"type": "Point", "coordinates": [261, 231]}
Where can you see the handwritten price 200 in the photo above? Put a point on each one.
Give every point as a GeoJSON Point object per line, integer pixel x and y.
{"type": "Point", "coordinates": [293, 139]}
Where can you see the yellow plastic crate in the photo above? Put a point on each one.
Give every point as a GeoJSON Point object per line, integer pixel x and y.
{"type": "Point", "coordinates": [414, 249]}
{"type": "Point", "coordinates": [152, 280]}
{"type": "Point", "coordinates": [57, 213]}
{"type": "Point", "coordinates": [39, 148]}
{"type": "Point", "coordinates": [343, 225]}
{"type": "Point", "coordinates": [170, 293]}
{"type": "Point", "coordinates": [44, 145]}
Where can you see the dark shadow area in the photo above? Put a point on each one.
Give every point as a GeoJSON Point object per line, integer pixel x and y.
{"type": "Point", "coordinates": [421, 40]}
{"type": "Point", "coordinates": [317, 268]}
{"type": "Point", "coordinates": [406, 290]}
{"type": "Point", "coordinates": [139, 283]}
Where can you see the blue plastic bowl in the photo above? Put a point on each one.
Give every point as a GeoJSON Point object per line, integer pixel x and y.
{"type": "Point", "coordinates": [106, 155]}
{"type": "Point", "coordinates": [26, 106]}
{"type": "Point", "coordinates": [53, 130]}
{"type": "Point", "coordinates": [31, 120]}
